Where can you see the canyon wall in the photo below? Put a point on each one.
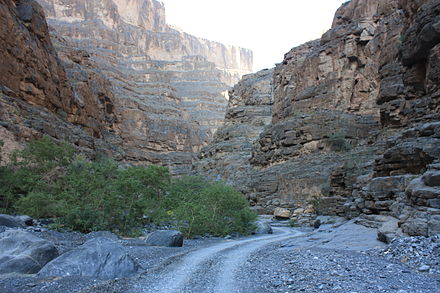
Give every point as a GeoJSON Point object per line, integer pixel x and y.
{"type": "Point", "coordinates": [136, 88]}
{"type": "Point", "coordinates": [349, 111]}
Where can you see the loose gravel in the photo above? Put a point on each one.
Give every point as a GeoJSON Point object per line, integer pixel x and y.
{"type": "Point", "coordinates": [334, 258]}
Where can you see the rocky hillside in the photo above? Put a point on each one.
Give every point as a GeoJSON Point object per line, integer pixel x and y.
{"type": "Point", "coordinates": [113, 78]}
{"type": "Point", "coordinates": [362, 100]}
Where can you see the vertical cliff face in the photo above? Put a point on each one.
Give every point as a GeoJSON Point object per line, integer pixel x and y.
{"type": "Point", "coordinates": [28, 63]}
{"type": "Point", "coordinates": [169, 87]}
{"type": "Point", "coordinates": [337, 102]}
{"type": "Point", "coordinates": [249, 110]}
{"type": "Point", "coordinates": [138, 89]}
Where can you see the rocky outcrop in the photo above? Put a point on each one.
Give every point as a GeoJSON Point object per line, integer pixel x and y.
{"type": "Point", "coordinates": [323, 112]}
{"type": "Point", "coordinates": [362, 100]}
{"type": "Point", "coordinates": [114, 78]}
{"type": "Point", "coordinates": [249, 110]}
{"type": "Point", "coordinates": [29, 66]}
{"type": "Point", "coordinates": [409, 89]}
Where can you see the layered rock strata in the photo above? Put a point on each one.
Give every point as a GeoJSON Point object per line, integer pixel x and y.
{"type": "Point", "coordinates": [227, 157]}
{"type": "Point", "coordinates": [361, 100]}
{"type": "Point", "coordinates": [147, 92]}
{"type": "Point", "coordinates": [323, 90]}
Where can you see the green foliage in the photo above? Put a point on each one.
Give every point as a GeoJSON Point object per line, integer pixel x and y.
{"type": "Point", "coordinates": [339, 143]}
{"type": "Point", "coordinates": [201, 207]}
{"type": "Point", "coordinates": [293, 223]}
{"type": "Point", "coordinates": [100, 196]}
{"type": "Point", "coordinates": [1, 146]}
{"type": "Point", "coordinates": [36, 168]}
{"type": "Point", "coordinates": [316, 203]}
{"type": "Point", "coordinates": [39, 205]}
{"type": "Point", "coordinates": [47, 180]}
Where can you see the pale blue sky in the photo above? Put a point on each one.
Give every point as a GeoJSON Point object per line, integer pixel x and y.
{"type": "Point", "coordinates": [269, 27]}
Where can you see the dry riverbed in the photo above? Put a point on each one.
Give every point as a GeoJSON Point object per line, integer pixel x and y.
{"type": "Point", "coordinates": [341, 257]}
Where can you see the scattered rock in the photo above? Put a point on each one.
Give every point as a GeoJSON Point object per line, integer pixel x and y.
{"type": "Point", "coordinates": [28, 221]}
{"type": "Point", "coordinates": [317, 224]}
{"type": "Point", "coordinates": [416, 252]}
{"type": "Point", "coordinates": [22, 252]}
{"type": "Point", "coordinates": [281, 213]}
{"type": "Point", "coordinates": [424, 268]}
{"type": "Point", "coordinates": [98, 257]}
{"type": "Point", "coordinates": [169, 238]}
{"type": "Point", "coordinates": [263, 228]}
{"type": "Point", "coordinates": [389, 230]}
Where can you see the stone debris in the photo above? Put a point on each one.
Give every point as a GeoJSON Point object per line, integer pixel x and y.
{"type": "Point", "coordinates": [420, 253]}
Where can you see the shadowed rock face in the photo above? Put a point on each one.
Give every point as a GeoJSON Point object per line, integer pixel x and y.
{"type": "Point", "coordinates": [369, 82]}
{"type": "Point", "coordinates": [168, 87]}
{"type": "Point", "coordinates": [28, 64]}
{"type": "Point", "coordinates": [249, 110]}
{"type": "Point", "coordinates": [125, 83]}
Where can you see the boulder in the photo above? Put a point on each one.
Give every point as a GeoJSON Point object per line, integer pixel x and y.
{"type": "Point", "coordinates": [11, 221]}
{"type": "Point", "coordinates": [168, 238]}
{"type": "Point", "coordinates": [28, 221]}
{"type": "Point", "coordinates": [432, 178]}
{"type": "Point", "coordinates": [389, 230]}
{"type": "Point", "coordinates": [99, 257]}
{"type": "Point", "coordinates": [281, 213]}
{"type": "Point", "coordinates": [263, 228]}
{"type": "Point", "coordinates": [415, 227]}
{"type": "Point", "coordinates": [22, 252]}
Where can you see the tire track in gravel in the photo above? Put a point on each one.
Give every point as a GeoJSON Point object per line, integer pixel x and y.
{"type": "Point", "coordinates": [209, 269]}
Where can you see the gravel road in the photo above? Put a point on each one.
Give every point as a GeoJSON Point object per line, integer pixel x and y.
{"type": "Point", "coordinates": [334, 258]}
{"type": "Point", "coordinates": [209, 269]}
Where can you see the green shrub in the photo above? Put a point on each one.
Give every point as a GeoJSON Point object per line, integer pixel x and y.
{"type": "Point", "coordinates": [202, 207]}
{"type": "Point", "coordinates": [47, 179]}
{"type": "Point", "coordinates": [293, 223]}
{"type": "Point", "coordinates": [339, 143]}
{"type": "Point", "coordinates": [36, 168]}
{"type": "Point", "coordinates": [100, 196]}
{"type": "Point", "coordinates": [1, 146]}
{"type": "Point", "coordinates": [39, 205]}
{"type": "Point", "coordinates": [43, 155]}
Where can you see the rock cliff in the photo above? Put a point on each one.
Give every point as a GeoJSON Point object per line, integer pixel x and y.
{"type": "Point", "coordinates": [133, 86]}
{"type": "Point", "coordinates": [362, 100]}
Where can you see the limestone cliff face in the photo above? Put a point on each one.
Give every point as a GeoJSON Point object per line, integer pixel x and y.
{"type": "Point", "coordinates": [361, 100]}
{"type": "Point", "coordinates": [36, 96]}
{"type": "Point", "coordinates": [138, 89]}
{"type": "Point", "coordinates": [28, 63]}
{"type": "Point", "coordinates": [249, 110]}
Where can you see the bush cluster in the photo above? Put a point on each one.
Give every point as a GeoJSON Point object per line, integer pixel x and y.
{"type": "Point", "coordinates": [48, 180]}
{"type": "Point", "coordinates": [339, 143]}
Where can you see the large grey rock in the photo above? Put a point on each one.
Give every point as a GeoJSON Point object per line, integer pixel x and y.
{"type": "Point", "coordinates": [11, 221]}
{"type": "Point", "coordinates": [169, 238]}
{"type": "Point", "coordinates": [98, 257]}
{"type": "Point", "coordinates": [432, 178]}
{"type": "Point", "coordinates": [22, 252]}
{"type": "Point", "coordinates": [263, 228]}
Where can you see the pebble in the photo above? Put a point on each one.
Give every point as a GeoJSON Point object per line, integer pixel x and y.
{"type": "Point", "coordinates": [424, 268]}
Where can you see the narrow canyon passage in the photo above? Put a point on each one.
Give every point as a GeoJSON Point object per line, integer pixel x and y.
{"type": "Point", "coordinates": [210, 269]}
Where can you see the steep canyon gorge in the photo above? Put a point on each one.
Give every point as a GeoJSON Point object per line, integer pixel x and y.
{"type": "Point", "coordinates": [112, 77]}
{"type": "Point", "coordinates": [346, 125]}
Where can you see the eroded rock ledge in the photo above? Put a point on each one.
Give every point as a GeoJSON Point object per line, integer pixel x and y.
{"type": "Point", "coordinates": [113, 78]}
{"type": "Point", "coordinates": [354, 123]}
